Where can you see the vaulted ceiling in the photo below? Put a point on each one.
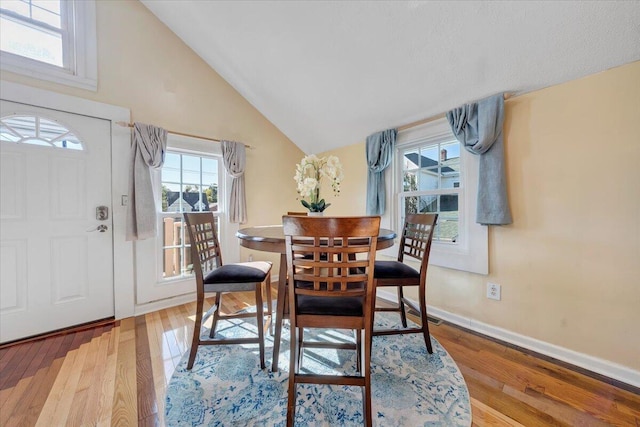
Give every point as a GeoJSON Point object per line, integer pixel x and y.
{"type": "Point", "coordinates": [329, 73]}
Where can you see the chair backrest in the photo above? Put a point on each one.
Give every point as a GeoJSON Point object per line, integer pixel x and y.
{"type": "Point", "coordinates": [331, 257]}
{"type": "Point", "coordinates": [416, 239]}
{"type": "Point", "coordinates": [205, 248]}
{"type": "Point", "coordinates": [297, 213]}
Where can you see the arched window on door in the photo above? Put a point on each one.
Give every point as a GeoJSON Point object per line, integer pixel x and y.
{"type": "Point", "coordinates": [37, 130]}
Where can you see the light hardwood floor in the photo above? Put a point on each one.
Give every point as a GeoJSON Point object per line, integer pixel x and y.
{"type": "Point", "coordinates": [116, 375]}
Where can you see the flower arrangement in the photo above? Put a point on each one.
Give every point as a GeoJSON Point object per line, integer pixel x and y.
{"type": "Point", "coordinates": [310, 172]}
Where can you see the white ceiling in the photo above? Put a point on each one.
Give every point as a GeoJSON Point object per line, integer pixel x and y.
{"type": "Point", "coordinates": [328, 74]}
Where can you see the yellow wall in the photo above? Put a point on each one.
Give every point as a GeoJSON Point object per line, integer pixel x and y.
{"type": "Point", "coordinates": [569, 265]}
{"type": "Point", "coordinates": [145, 67]}
{"type": "Point", "coordinates": [353, 190]}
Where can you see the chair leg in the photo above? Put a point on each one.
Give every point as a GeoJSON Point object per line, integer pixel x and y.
{"type": "Point", "coordinates": [216, 315]}
{"type": "Point", "coordinates": [358, 350]}
{"type": "Point", "coordinates": [373, 315]}
{"type": "Point", "coordinates": [293, 369]}
{"type": "Point", "coordinates": [196, 333]}
{"type": "Point", "coordinates": [300, 349]}
{"type": "Point", "coordinates": [269, 303]}
{"type": "Point", "coordinates": [278, 334]}
{"type": "Point", "coordinates": [280, 308]}
{"type": "Point", "coordinates": [366, 403]}
{"type": "Point", "coordinates": [423, 316]}
{"type": "Point", "coordinates": [403, 314]}
{"type": "Point", "coordinates": [260, 323]}
{"type": "Point", "coordinates": [366, 371]}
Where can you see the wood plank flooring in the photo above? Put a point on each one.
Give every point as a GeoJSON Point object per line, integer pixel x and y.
{"type": "Point", "coordinates": [117, 375]}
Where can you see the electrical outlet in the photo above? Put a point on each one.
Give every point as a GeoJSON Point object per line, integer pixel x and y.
{"type": "Point", "coordinates": [250, 257]}
{"type": "Point", "coordinates": [494, 291]}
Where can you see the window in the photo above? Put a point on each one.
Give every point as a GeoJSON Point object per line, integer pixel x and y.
{"type": "Point", "coordinates": [189, 184]}
{"type": "Point", "coordinates": [431, 184]}
{"type": "Point", "coordinates": [50, 39]}
{"type": "Point", "coordinates": [192, 179]}
{"type": "Point", "coordinates": [36, 130]}
{"type": "Point", "coordinates": [433, 173]}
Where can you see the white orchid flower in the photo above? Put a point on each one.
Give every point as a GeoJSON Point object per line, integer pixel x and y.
{"type": "Point", "coordinates": [310, 173]}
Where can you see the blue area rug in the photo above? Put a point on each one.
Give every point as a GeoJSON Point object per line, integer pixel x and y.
{"type": "Point", "coordinates": [409, 386]}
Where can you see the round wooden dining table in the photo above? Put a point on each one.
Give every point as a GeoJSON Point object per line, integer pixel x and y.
{"type": "Point", "coordinates": [270, 238]}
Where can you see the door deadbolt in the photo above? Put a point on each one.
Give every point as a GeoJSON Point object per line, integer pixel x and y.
{"type": "Point", "coordinates": [102, 213]}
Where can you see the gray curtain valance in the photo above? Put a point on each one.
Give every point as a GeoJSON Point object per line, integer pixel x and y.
{"type": "Point", "coordinates": [478, 127]}
{"type": "Point", "coordinates": [234, 157]}
{"type": "Point", "coordinates": [148, 147]}
{"type": "Point", "coordinates": [380, 148]}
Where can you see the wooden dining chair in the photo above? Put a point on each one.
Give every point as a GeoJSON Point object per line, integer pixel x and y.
{"type": "Point", "coordinates": [415, 243]}
{"type": "Point", "coordinates": [297, 213]}
{"type": "Point", "coordinates": [214, 276]}
{"type": "Point", "coordinates": [332, 291]}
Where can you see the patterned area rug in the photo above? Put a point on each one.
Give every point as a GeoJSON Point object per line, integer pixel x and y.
{"type": "Point", "coordinates": [409, 387]}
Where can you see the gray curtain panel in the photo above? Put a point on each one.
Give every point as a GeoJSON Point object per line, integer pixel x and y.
{"type": "Point", "coordinates": [380, 148]}
{"type": "Point", "coordinates": [234, 156]}
{"type": "Point", "coordinates": [478, 127]}
{"type": "Point", "coordinates": [148, 146]}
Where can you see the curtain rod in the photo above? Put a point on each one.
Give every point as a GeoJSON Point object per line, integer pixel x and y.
{"type": "Point", "coordinates": [432, 118]}
{"type": "Point", "coordinates": [125, 124]}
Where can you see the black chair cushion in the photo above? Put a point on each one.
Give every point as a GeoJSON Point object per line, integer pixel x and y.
{"type": "Point", "coordinates": [323, 257]}
{"type": "Point", "coordinates": [330, 306]}
{"type": "Point", "coordinates": [393, 269]}
{"type": "Point", "coordinates": [244, 272]}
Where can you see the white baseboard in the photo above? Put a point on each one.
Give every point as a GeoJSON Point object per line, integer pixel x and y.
{"type": "Point", "coordinates": [149, 307]}
{"type": "Point", "coordinates": [590, 363]}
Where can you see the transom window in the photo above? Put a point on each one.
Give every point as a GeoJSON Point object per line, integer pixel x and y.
{"type": "Point", "coordinates": [36, 130]}
{"type": "Point", "coordinates": [53, 40]}
{"type": "Point", "coordinates": [38, 30]}
{"type": "Point", "coordinates": [189, 184]}
{"type": "Point", "coordinates": [431, 183]}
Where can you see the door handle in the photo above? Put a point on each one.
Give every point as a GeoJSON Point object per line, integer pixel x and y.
{"type": "Point", "coordinates": [101, 228]}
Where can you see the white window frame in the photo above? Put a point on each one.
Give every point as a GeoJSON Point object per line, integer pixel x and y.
{"type": "Point", "coordinates": [162, 215]}
{"type": "Point", "coordinates": [79, 50]}
{"type": "Point", "coordinates": [150, 283]}
{"type": "Point", "coordinates": [420, 172]}
{"type": "Point", "coordinates": [471, 251]}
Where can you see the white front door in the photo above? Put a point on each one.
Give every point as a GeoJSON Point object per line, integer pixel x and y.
{"type": "Point", "coordinates": [56, 267]}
